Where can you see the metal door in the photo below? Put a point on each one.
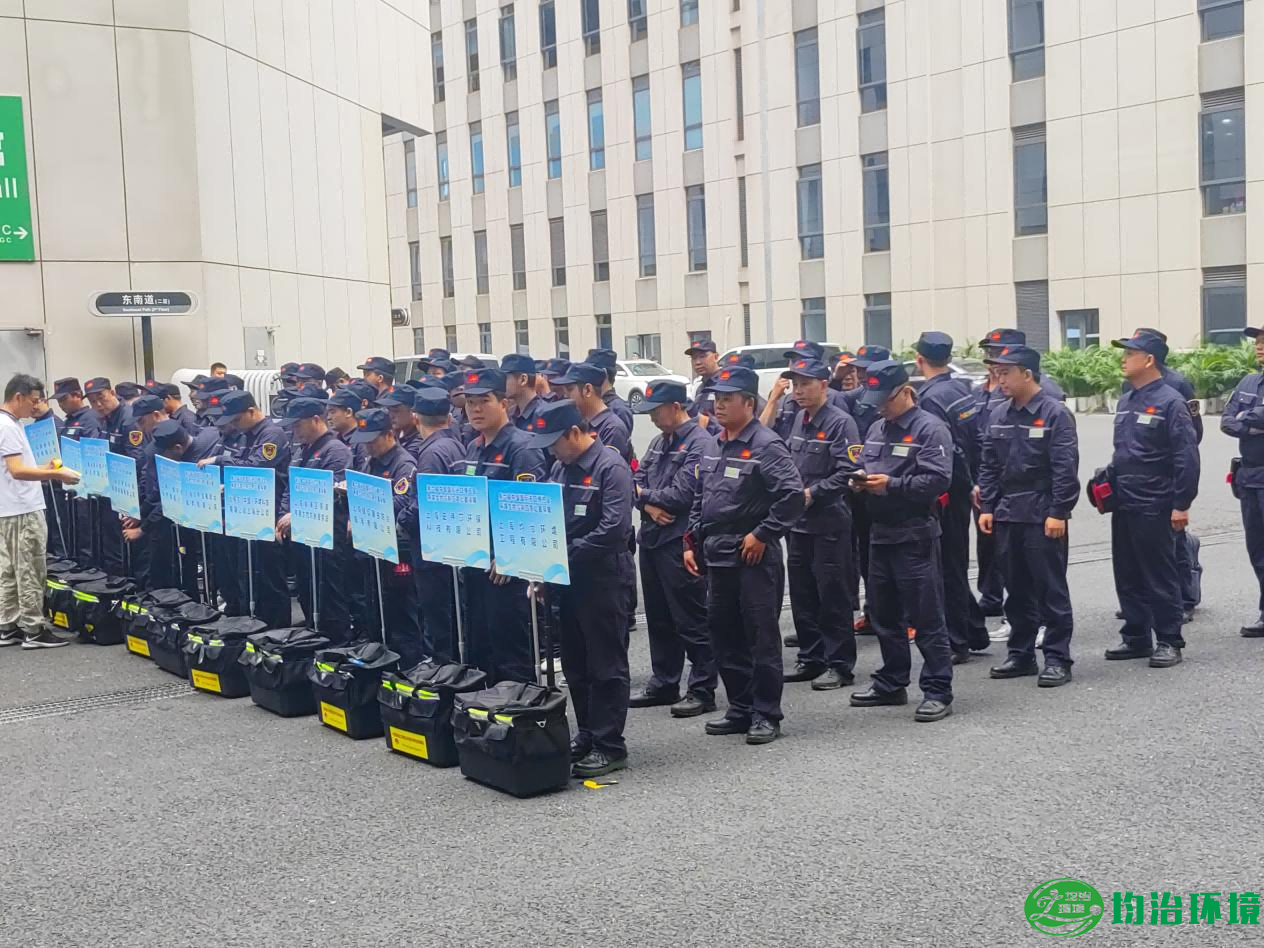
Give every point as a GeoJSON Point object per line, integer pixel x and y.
{"type": "Point", "coordinates": [259, 347]}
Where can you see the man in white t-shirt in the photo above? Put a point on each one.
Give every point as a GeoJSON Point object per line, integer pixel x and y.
{"type": "Point", "coordinates": [23, 530]}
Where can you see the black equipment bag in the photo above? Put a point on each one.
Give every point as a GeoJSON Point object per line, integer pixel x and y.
{"type": "Point", "coordinates": [345, 682]}
{"type": "Point", "coordinates": [94, 609]}
{"type": "Point", "coordinates": [416, 708]}
{"type": "Point", "coordinates": [514, 737]}
{"type": "Point", "coordinates": [166, 631]}
{"type": "Point", "coordinates": [55, 569]}
{"type": "Point", "coordinates": [276, 664]}
{"type": "Point", "coordinates": [212, 650]}
{"type": "Point", "coordinates": [134, 611]}
{"type": "Point", "coordinates": [1100, 490]}
{"type": "Point", "coordinates": [59, 595]}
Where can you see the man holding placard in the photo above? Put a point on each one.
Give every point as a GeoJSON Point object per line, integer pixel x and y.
{"type": "Point", "coordinates": [174, 443]}
{"type": "Point", "coordinates": [149, 535]}
{"type": "Point", "coordinates": [80, 420]}
{"type": "Point", "coordinates": [118, 429]}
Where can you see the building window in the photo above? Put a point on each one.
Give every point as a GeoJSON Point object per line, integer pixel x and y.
{"type": "Point", "coordinates": [553, 138]}
{"type": "Point", "coordinates": [513, 143]}
{"type": "Point", "coordinates": [647, 345]}
{"type": "Point", "coordinates": [877, 203]}
{"type": "Point", "coordinates": [811, 214]}
{"type": "Point", "coordinates": [647, 249]}
{"type": "Point", "coordinates": [445, 260]}
{"type": "Point", "coordinates": [480, 262]}
{"type": "Point", "coordinates": [812, 319]}
{"type": "Point", "coordinates": [746, 324]}
{"type": "Point", "coordinates": [590, 24]}
{"type": "Point", "coordinates": [449, 338]}
{"type": "Point", "coordinates": [1224, 305]}
{"type": "Point", "coordinates": [807, 77]}
{"type": "Point", "coordinates": [557, 250]}
{"type": "Point", "coordinates": [548, 34]}
{"type": "Point", "coordinates": [600, 247]}
{"type": "Point", "coordinates": [871, 60]}
{"type": "Point", "coordinates": [562, 337]}
{"type": "Point", "coordinates": [471, 53]}
{"type": "Point", "coordinates": [508, 43]}
{"type": "Point", "coordinates": [1079, 329]}
{"type": "Point", "coordinates": [436, 64]}
{"type": "Point", "coordinates": [419, 339]}
{"type": "Point", "coordinates": [1223, 153]}
{"type": "Point", "coordinates": [692, 95]}
{"type": "Point", "coordinates": [414, 266]}
{"type": "Point", "coordinates": [605, 334]}
{"type": "Point", "coordinates": [522, 337]}
{"type": "Point", "coordinates": [1220, 18]}
{"type": "Point", "coordinates": [441, 165]}
{"type": "Point", "coordinates": [596, 131]}
{"type": "Point", "coordinates": [485, 338]}
{"type": "Point", "coordinates": [641, 118]}
{"type": "Point", "coordinates": [878, 319]}
{"type": "Point", "coordinates": [688, 12]}
{"type": "Point", "coordinates": [637, 21]}
{"type": "Point", "coordinates": [1027, 38]}
{"type": "Point", "coordinates": [476, 156]}
{"type": "Point", "coordinates": [410, 171]}
{"type": "Point", "coordinates": [1031, 212]}
{"type": "Point", "coordinates": [740, 93]}
{"type": "Point", "coordinates": [1032, 299]}
{"type": "Point", "coordinates": [743, 241]}
{"type": "Point", "coordinates": [518, 256]}
{"type": "Point", "coordinates": [696, 227]}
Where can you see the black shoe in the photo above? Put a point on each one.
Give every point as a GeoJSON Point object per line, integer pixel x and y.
{"type": "Point", "coordinates": [1255, 631]}
{"type": "Point", "coordinates": [597, 764]}
{"type": "Point", "coordinates": [1123, 651]}
{"type": "Point", "coordinates": [833, 678]}
{"type": "Point", "coordinates": [1053, 675]}
{"type": "Point", "coordinates": [727, 725]}
{"type": "Point", "coordinates": [991, 609]}
{"type": "Point", "coordinates": [960, 658]}
{"type": "Point", "coordinates": [762, 731]}
{"type": "Point", "coordinates": [931, 710]}
{"type": "Point", "coordinates": [692, 705]}
{"type": "Point", "coordinates": [790, 641]}
{"type": "Point", "coordinates": [1015, 668]}
{"type": "Point", "coordinates": [1187, 616]}
{"type": "Point", "coordinates": [802, 672]}
{"type": "Point", "coordinates": [1165, 656]}
{"type": "Point", "coordinates": [652, 699]}
{"type": "Point", "coordinates": [579, 749]}
{"type": "Point", "coordinates": [871, 697]}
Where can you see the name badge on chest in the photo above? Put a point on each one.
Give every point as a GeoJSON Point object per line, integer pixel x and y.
{"type": "Point", "coordinates": [581, 510]}
{"type": "Point", "coordinates": [732, 472]}
{"type": "Point", "coordinates": [1144, 419]}
{"type": "Point", "coordinates": [1035, 432]}
{"type": "Point", "coordinates": [899, 450]}
{"type": "Point", "coordinates": [471, 470]}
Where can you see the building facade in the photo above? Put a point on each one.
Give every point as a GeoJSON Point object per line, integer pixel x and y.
{"type": "Point", "coordinates": [636, 173]}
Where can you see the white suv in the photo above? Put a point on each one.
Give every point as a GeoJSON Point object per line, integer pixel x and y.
{"type": "Point", "coordinates": [771, 361]}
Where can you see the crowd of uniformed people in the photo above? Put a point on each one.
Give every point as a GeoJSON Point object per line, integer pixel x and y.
{"type": "Point", "coordinates": [862, 476]}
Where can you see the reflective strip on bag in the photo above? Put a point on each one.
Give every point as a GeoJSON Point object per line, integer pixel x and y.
{"type": "Point", "coordinates": [85, 597]}
{"type": "Point", "coordinates": [326, 667]}
{"type": "Point", "coordinates": [426, 695]}
{"type": "Point", "coordinates": [504, 719]}
{"type": "Point", "coordinates": [478, 714]}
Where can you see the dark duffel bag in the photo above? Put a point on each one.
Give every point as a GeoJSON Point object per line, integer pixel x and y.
{"type": "Point", "coordinates": [345, 683]}
{"type": "Point", "coordinates": [95, 612]}
{"type": "Point", "coordinates": [276, 664]}
{"type": "Point", "coordinates": [514, 737]}
{"type": "Point", "coordinates": [166, 630]}
{"type": "Point", "coordinates": [211, 652]}
{"type": "Point", "coordinates": [134, 611]}
{"type": "Point", "coordinates": [59, 595]}
{"type": "Point", "coordinates": [416, 707]}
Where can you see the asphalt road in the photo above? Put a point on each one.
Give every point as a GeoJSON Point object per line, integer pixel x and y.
{"type": "Point", "coordinates": [198, 821]}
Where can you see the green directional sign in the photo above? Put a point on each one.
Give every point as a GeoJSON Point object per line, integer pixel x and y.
{"type": "Point", "coordinates": [16, 240]}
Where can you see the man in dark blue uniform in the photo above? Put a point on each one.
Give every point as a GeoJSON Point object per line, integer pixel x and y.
{"type": "Point", "coordinates": [597, 500]}
{"type": "Point", "coordinates": [781, 409]}
{"type": "Point", "coordinates": [955, 405]}
{"type": "Point", "coordinates": [118, 428]}
{"type": "Point", "coordinates": [608, 359]}
{"type": "Point", "coordinates": [907, 462]}
{"type": "Point", "coordinates": [552, 369]}
{"type": "Point", "coordinates": [80, 421]}
{"type": "Point", "coordinates": [340, 413]}
{"type": "Point", "coordinates": [583, 386]}
{"type": "Point", "coordinates": [824, 446]}
{"type": "Point", "coordinates": [520, 383]}
{"type": "Point", "coordinates": [398, 402]}
{"type": "Point", "coordinates": [1154, 473]}
{"type": "Point", "coordinates": [499, 617]}
{"type": "Point", "coordinates": [151, 544]}
{"type": "Point", "coordinates": [865, 416]}
{"type": "Point", "coordinates": [379, 372]}
{"type": "Point", "coordinates": [1028, 486]}
{"type": "Point", "coordinates": [749, 496]}
{"type": "Point", "coordinates": [317, 448]}
{"type": "Point", "coordinates": [174, 408]}
{"type": "Point", "coordinates": [675, 600]}
{"type": "Point", "coordinates": [172, 441]}
{"type": "Point", "coordinates": [706, 366]}
{"type": "Point", "coordinates": [1243, 418]}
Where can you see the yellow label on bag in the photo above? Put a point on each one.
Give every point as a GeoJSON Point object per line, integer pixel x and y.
{"type": "Point", "coordinates": [137, 646]}
{"type": "Point", "coordinates": [206, 681]}
{"type": "Point", "coordinates": [406, 742]}
{"type": "Point", "coordinates": [332, 715]}
{"type": "Point", "coordinates": [59, 618]}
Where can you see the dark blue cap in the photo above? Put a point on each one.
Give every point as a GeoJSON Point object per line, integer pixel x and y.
{"type": "Point", "coordinates": [553, 421]}
{"type": "Point", "coordinates": [396, 397]}
{"type": "Point", "coordinates": [437, 353]}
{"type": "Point", "coordinates": [554, 368]}
{"type": "Point", "coordinates": [868, 355]}
{"type": "Point", "coordinates": [287, 370]}
{"type": "Point", "coordinates": [884, 378]}
{"type": "Point", "coordinates": [604, 358]}
{"type": "Point", "coordinates": [936, 346]}
{"type": "Point", "coordinates": [743, 359]}
{"type": "Point", "coordinates": [1000, 338]}
{"type": "Point", "coordinates": [661, 393]}
{"type": "Point", "coordinates": [169, 433]}
{"type": "Point", "coordinates": [1144, 342]}
{"type": "Point", "coordinates": [432, 401]}
{"type": "Point", "coordinates": [127, 389]}
{"type": "Point", "coordinates": [737, 379]}
{"type": "Point", "coordinates": [378, 364]}
{"type": "Point", "coordinates": [483, 382]}
{"type": "Point", "coordinates": [808, 369]}
{"type": "Point", "coordinates": [344, 398]}
{"type": "Point", "coordinates": [582, 373]}
{"type": "Point", "coordinates": [213, 385]}
{"type": "Point", "coordinates": [805, 349]}
{"type": "Point", "coordinates": [230, 405]}
{"type": "Point", "coordinates": [98, 384]}
{"type": "Point", "coordinates": [516, 364]}
{"type": "Point", "coordinates": [298, 408]}
{"type": "Point", "coordinates": [361, 390]}
{"type": "Point", "coordinates": [1015, 355]}
{"type": "Point", "coordinates": [700, 347]}
{"type": "Point", "coordinates": [472, 362]}
{"type": "Point", "coordinates": [847, 357]}
{"type": "Point", "coordinates": [1250, 331]}
{"type": "Point", "coordinates": [67, 386]}
{"type": "Point", "coordinates": [451, 382]}
{"type": "Point", "coordinates": [147, 405]}
{"type": "Point", "coordinates": [447, 365]}
{"type": "Point", "coordinates": [369, 424]}
{"type": "Point", "coordinates": [166, 391]}
{"type": "Point", "coordinates": [310, 370]}
{"type": "Point", "coordinates": [310, 390]}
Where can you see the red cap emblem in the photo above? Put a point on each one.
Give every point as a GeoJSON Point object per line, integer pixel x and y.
{"type": "Point", "coordinates": [863, 349]}
{"type": "Point", "coordinates": [215, 400]}
{"type": "Point", "coordinates": [873, 381]}
{"type": "Point", "coordinates": [800, 364]}
{"type": "Point", "coordinates": [1005, 351]}
{"type": "Point", "coordinates": [470, 379]}
{"type": "Point", "coordinates": [800, 344]}
{"type": "Point", "coordinates": [539, 422]}
{"type": "Point", "coordinates": [649, 390]}
{"type": "Point", "coordinates": [996, 335]}
{"type": "Point", "coordinates": [724, 375]}
{"type": "Point", "coordinates": [362, 422]}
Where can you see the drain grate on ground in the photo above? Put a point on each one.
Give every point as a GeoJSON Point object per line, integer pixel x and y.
{"type": "Point", "coordinates": [113, 699]}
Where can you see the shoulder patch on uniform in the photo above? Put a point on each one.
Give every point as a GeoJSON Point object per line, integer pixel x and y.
{"type": "Point", "coordinates": [525, 477]}
{"type": "Point", "coordinates": [269, 450]}
{"type": "Point", "coordinates": [853, 452]}
{"type": "Point", "coordinates": [1194, 407]}
{"type": "Point", "coordinates": [401, 486]}
{"type": "Point", "coordinates": [135, 438]}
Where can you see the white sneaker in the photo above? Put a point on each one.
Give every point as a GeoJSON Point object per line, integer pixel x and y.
{"type": "Point", "coordinates": [1040, 637]}
{"type": "Point", "coordinates": [10, 637]}
{"type": "Point", "coordinates": [1000, 633]}
{"type": "Point", "coordinates": [43, 639]}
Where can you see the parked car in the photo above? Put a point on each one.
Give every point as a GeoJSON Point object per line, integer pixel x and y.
{"type": "Point", "coordinates": [632, 375]}
{"type": "Point", "coordinates": [971, 371]}
{"type": "Point", "coordinates": [406, 366]}
{"type": "Point", "coordinates": [771, 361]}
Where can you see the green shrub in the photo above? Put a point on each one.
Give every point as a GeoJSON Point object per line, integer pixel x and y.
{"type": "Point", "coordinates": [1084, 372]}
{"type": "Point", "coordinates": [1215, 370]}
